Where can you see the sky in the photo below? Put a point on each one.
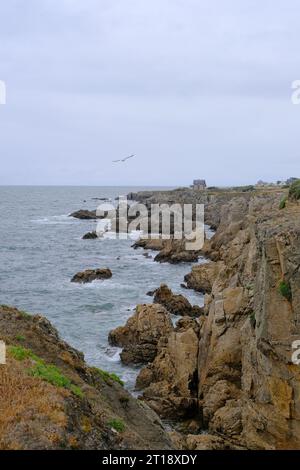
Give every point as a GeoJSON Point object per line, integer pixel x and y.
{"type": "Point", "coordinates": [194, 88]}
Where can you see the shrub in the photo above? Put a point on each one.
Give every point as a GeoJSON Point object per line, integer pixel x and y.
{"type": "Point", "coordinates": [124, 400]}
{"type": "Point", "coordinates": [20, 338]}
{"type": "Point", "coordinates": [294, 191]}
{"type": "Point", "coordinates": [107, 376]}
{"type": "Point", "coordinates": [117, 424]}
{"type": "Point", "coordinates": [285, 290]}
{"type": "Point", "coordinates": [282, 203]}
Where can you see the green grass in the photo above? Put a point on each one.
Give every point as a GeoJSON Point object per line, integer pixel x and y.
{"type": "Point", "coordinates": [294, 191]}
{"type": "Point", "coordinates": [107, 376]}
{"type": "Point", "coordinates": [285, 290]}
{"type": "Point", "coordinates": [47, 372]}
{"type": "Point", "coordinates": [20, 354]}
{"type": "Point", "coordinates": [282, 203]}
{"type": "Point", "coordinates": [25, 314]}
{"type": "Point", "coordinates": [117, 424]}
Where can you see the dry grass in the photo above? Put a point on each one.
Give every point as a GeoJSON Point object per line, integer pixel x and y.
{"type": "Point", "coordinates": [25, 399]}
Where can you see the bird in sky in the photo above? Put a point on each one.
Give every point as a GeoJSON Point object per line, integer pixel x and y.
{"type": "Point", "coordinates": [123, 159]}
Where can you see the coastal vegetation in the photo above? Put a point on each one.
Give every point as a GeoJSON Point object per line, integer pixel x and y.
{"type": "Point", "coordinates": [294, 191]}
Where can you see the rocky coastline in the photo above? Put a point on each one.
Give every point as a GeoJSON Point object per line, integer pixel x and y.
{"type": "Point", "coordinates": [221, 374]}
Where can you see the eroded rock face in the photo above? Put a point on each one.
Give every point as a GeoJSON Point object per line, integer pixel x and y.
{"type": "Point", "coordinates": [170, 382]}
{"type": "Point", "coordinates": [176, 304]}
{"type": "Point", "coordinates": [247, 384]}
{"type": "Point", "coordinates": [90, 275]}
{"type": "Point", "coordinates": [140, 336]}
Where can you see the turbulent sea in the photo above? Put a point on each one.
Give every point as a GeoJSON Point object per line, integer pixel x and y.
{"type": "Point", "coordinates": [41, 249]}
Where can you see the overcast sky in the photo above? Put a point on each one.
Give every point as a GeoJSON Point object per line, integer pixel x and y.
{"type": "Point", "coordinates": [195, 88]}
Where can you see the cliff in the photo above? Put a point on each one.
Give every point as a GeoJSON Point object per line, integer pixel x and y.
{"type": "Point", "coordinates": [247, 387]}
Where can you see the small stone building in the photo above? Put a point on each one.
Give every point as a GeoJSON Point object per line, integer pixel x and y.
{"type": "Point", "coordinates": [199, 185]}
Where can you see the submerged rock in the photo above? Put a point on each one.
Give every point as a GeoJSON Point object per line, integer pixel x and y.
{"type": "Point", "coordinates": [90, 275]}
{"type": "Point", "coordinates": [90, 235]}
{"type": "Point", "coordinates": [84, 214]}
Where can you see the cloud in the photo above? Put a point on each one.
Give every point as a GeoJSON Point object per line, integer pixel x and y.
{"type": "Point", "coordinates": [186, 85]}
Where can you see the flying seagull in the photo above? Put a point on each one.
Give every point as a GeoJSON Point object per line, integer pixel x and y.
{"type": "Point", "coordinates": [123, 159]}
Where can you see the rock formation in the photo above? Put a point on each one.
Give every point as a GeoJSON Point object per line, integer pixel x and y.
{"type": "Point", "coordinates": [169, 383]}
{"type": "Point", "coordinates": [246, 387]}
{"type": "Point", "coordinates": [84, 214]}
{"type": "Point", "coordinates": [171, 251]}
{"type": "Point", "coordinates": [176, 304]}
{"type": "Point", "coordinates": [140, 336]}
{"type": "Point", "coordinates": [90, 235]}
{"type": "Point", "coordinates": [90, 275]}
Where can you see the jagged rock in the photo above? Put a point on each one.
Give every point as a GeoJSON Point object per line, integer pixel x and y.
{"type": "Point", "coordinates": [90, 275]}
{"type": "Point", "coordinates": [151, 293]}
{"type": "Point", "coordinates": [84, 214]}
{"type": "Point", "coordinates": [140, 336]}
{"type": "Point", "coordinates": [170, 381]}
{"type": "Point", "coordinates": [247, 383]}
{"type": "Point", "coordinates": [170, 251]}
{"type": "Point", "coordinates": [149, 244]}
{"type": "Point", "coordinates": [174, 251]}
{"type": "Point", "coordinates": [176, 304]}
{"type": "Point", "coordinates": [202, 277]}
{"type": "Point", "coordinates": [205, 442]}
{"type": "Point", "coordinates": [90, 236]}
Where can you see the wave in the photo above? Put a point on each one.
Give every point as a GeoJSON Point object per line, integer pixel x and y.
{"type": "Point", "coordinates": [62, 219]}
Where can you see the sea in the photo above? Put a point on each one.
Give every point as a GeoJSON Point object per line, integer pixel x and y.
{"type": "Point", "coordinates": [41, 248]}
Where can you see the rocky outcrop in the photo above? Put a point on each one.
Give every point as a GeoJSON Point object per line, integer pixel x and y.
{"type": "Point", "coordinates": [51, 399]}
{"type": "Point", "coordinates": [170, 382]}
{"type": "Point", "coordinates": [140, 336]}
{"type": "Point", "coordinates": [174, 251]}
{"type": "Point", "coordinates": [248, 386]}
{"type": "Point", "coordinates": [176, 304]}
{"type": "Point", "coordinates": [170, 251]}
{"type": "Point", "coordinates": [202, 276]}
{"type": "Point", "coordinates": [90, 275]}
{"type": "Point", "coordinates": [84, 214]}
{"type": "Point", "coordinates": [90, 236]}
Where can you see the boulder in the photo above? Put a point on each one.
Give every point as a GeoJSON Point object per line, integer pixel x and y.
{"type": "Point", "coordinates": [176, 304]}
{"type": "Point", "coordinates": [90, 235]}
{"type": "Point", "coordinates": [140, 336]}
{"type": "Point", "coordinates": [90, 275]}
{"type": "Point", "coordinates": [84, 214]}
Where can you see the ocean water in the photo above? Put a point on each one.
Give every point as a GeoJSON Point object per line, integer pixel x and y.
{"type": "Point", "coordinates": [41, 249]}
